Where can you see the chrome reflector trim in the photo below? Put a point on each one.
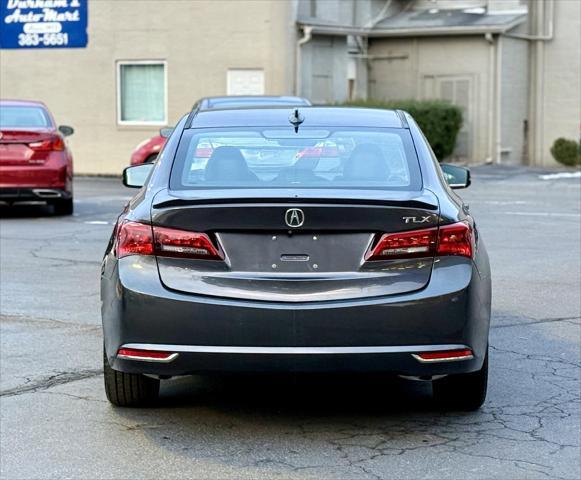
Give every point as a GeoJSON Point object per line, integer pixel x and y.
{"type": "Point", "coordinates": [171, 358]}
{"type": "Point", "coordinates": [291, 350]}
{"type": "Point", "coordinates": [436, 360]}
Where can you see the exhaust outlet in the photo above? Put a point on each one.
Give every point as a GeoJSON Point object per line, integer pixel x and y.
{"type": "Point", "coordinates": [46, 193]}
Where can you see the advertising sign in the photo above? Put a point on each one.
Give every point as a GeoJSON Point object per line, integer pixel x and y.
{"type": "Point", "coordinates": [43, 23]}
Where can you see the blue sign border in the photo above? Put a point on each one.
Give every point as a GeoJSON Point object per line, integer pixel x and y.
{"type": "Point", "coordinates": [43, 24]}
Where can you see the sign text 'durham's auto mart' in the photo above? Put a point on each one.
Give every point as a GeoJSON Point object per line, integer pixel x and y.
{"type": "Point", "coordinates": [43, 23]}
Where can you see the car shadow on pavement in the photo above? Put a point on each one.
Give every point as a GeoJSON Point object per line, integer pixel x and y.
{"type": "Point", "coordinates": [290, 394]}
{"type": "Point", "coordinates": [267, 426]}
{"type": "Point", "coordinates": [25, 210]}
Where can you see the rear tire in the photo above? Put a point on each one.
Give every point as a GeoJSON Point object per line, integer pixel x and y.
{"type": "Point", "coordinates": [63, 207]}
{"type": "Point", "coordinates": [466, 391]}
{"type": "Point", "coordinates": [129, 389]}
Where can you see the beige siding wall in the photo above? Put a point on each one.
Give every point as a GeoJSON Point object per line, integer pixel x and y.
{"type": "Point", "coordinates": [199, 40]}
{"type": "Point", "coordinates": [561, 96]}
{"type": "Point", "coordinates": [417, 68]}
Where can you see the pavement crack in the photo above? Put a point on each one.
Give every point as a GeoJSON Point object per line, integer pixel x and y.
{"type": "Point", "coordinates": [50, 382]}
{"type": "Point", "coordinates": [63, 323]}
{"type": "Point", "coordinates": [534, 322]}
{"type": "Point", "coordinates": [78, 397]}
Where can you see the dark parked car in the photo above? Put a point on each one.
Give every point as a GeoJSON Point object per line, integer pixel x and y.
{"type": "Point", "coordinates": [226, 264]}
{"type": "Point", "coordinates": [35, 163]}
{"type": "Point", "coordinates": [148, 150]}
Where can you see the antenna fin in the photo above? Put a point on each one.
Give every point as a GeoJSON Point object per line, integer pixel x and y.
{"type": "Point", "coordinates": [296, 119]}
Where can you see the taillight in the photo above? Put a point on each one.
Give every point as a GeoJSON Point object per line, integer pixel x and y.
{"type": "Point", "coordinates": [455, 239]}
{"type": "Point", "coordinates": [134, 239]}
{"type": "Point", "coordinates": [140, 239]}
{"type": "Point", "coordinates": [179, 243]}
{"type": "Point", "coordinates": [51, 144]}
{"type": "Point", "coordinates": [392, 246]}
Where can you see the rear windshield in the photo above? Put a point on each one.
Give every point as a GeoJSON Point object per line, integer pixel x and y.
{"type": "Point", "coordinates": [364, 158]}
{"type": "Point", "coordinates": [17, 116]}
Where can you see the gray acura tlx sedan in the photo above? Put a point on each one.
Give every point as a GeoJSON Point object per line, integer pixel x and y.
{"type": "Point", "coordinates": [296, 240]}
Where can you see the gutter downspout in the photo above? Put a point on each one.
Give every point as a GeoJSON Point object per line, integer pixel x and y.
{"type": "Point", "coordinates": [537, 87]}
{"type": "Point", "coordinates": [307, 36]}
{"type": "Point", "coordinates": [494, 98]}
{"type": "Point", "coordinates": [498, 93]}
{"type": "Point", "coordinates": [536, 57]}
{"type": "Point", "coordinates": [490, 39]}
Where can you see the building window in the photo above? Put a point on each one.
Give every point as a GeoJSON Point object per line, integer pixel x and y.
{"type": "Point", "coordinates": [245, 82]}
{"type": "Point", "coordinates": [142, 93]}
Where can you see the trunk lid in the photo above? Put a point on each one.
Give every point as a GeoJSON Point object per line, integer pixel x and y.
{"type": "Point", "coordinates": [318, 258]}
{"type": "Point", "coordinates": [15, 146]}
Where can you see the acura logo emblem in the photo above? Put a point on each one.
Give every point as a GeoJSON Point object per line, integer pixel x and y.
{"type": "Point", "coordinates": [294, 217]}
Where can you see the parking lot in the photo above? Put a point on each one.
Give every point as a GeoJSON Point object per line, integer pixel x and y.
{"type": "Point", "coordinates": [57, 423]}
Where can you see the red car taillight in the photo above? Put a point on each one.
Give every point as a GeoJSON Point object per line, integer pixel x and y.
{"type": "Point", "coordinates": [140, 239]}
{"type": "Point", "coordinates": [318, 152]}
{"type": "Point", "coordinates": [51, 144]}
{"type": "Point", "coordinates": [455, 239]}
{"type": "Point", "coordinates": [202, 152]}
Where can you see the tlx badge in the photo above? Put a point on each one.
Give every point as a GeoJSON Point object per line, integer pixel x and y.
{"type": "Point", "coordinates": [417, 219]}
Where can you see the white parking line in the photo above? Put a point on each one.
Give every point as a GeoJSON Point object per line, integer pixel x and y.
{"type": "Point", "coordinates": [96, 222]}
{"type": "Point", "coordinates": [556, 176]}
{"type": "Point", "coordinates": [543, 214]}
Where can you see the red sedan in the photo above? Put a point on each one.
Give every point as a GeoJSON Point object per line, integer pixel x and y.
{"type": "Point", "coordinates": [35, 163]}
{"type": "Point", "coordinates": [147, 150]}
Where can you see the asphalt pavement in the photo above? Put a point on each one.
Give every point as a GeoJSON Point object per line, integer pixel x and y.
{"type": "Point", "coordinates": [55, 421]}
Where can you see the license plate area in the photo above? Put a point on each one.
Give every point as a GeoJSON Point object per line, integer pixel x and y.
{"type": "Point", "coordinates": [14, 154]}
{"type": "Point", "coordinates": [295, 253]}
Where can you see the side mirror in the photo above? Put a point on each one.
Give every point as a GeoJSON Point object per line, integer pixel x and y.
{"type": "Point", "coordinates": [136, 175]}
{"type": "Point", "coordinates": [457, 177]}
{"type": "Point", "coordinates": [165, 132]}
{"type": "Point", "coordinates": [66, 130]}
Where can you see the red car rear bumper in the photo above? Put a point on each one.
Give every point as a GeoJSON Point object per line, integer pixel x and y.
{"type": "Point", "coordinates": [33, 177]}
{"type": "Point", "coordinates": [26, 182]}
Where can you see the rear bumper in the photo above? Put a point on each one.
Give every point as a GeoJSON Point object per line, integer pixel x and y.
{"type": "Point", "coordinates": [56, 173]}
{"type": "Point", "coordinates": [374, 334]}
{"type": "Point", "coordinates": [187, 359]}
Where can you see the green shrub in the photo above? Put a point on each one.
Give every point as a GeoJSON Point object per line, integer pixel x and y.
{"type": "Point", "coordinates": [567, 152]}
{"type": "Point", "coordinates": [440, 121]}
